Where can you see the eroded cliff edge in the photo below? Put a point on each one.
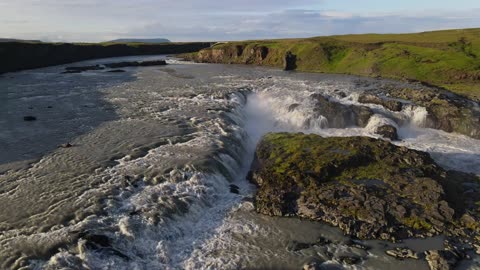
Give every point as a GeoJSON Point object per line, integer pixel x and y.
{"type": "Point", "coordinates": [449, 59]}
{"type": "Point", "coordinates": [16, 56]}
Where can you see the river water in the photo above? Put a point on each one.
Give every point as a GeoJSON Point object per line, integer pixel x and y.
{"type": "Point", "coordinates": [147, 183]}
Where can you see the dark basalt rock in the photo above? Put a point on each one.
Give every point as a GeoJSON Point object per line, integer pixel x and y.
{"type": "Point", "coordinates": [350, 260]}
{"type": "Point", "coordinates": [446, 111]}
{"type": "Point", "coordinates": [369, 188]}
{"type": "Point", "coordinates": [390, 104]}
{"type": "Point", "coordinates": [289, 61]}
{"type": "Point", "coordinates": [117, 71]}
{"type": "Point", "coordinates": [137, 64]}
{"type": "Point", "coordinates": [234, 189]}
{"type": "Point", "coordinates": [387, 131]}
{"type": "Point", "coordinates": [82, 69]}
{"type": "Point", "coordinates": [340, 115]}
{"type": "Point", "coordinates": [313, 264]}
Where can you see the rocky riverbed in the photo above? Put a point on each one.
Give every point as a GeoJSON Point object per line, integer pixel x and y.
{"type": "Point", "coordinates": [147, 168]}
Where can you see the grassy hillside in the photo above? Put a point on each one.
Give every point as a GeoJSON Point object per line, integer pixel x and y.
{"type": "Point", "coordinates": [450, 59]}
{"type": "Point", "coordinates": [17, 56]}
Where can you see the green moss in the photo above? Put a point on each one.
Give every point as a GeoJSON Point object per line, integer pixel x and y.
{"type": "Point", "coordinates": [301, 156]}
{"type": "Point", "coordinates": [417, 223]}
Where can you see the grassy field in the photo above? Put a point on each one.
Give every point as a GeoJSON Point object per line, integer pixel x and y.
{"type": "Point", "coordinates": [449, 59]}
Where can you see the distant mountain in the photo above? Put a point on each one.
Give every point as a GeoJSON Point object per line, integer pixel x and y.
{"type": "Point", "coordinates": [140, 40]}
{"type": "Point", "coordinates": [17, 40]}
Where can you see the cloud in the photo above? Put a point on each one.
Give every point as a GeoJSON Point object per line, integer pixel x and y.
{"type": "Point", "coordinates": [304, 23]}
{"type": "Point", "coordinates": [188, 20]}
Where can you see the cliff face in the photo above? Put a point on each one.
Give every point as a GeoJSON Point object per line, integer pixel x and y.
{"type": "Point", "coordinates": [235, 54]}
{"type": "Point", "coordinates": [449, 59]}
{"type": "Point", "coordinates": [17, 56]}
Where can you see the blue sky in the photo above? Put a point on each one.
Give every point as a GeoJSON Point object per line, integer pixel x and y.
{"type": "Point", "coordinates": [208, 20]}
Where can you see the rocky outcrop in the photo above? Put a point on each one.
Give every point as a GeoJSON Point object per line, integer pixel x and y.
{"type": "Point", "coordinates": [387, 131]}
{"type": "Point", "coordinates": [392, 105]}
{"type": "Point", "coordinates": [237, 54]}
{"type": "Point", "coordinates": [446, 111]}
{"type": "Point", "coordinates": [369, 188]}
{"type": "Point", "coordinates": [340, 115]}
{"type": "Point", "coordinates": [441, 259]}
{"type": "Point", "coordinates": [21, 55]}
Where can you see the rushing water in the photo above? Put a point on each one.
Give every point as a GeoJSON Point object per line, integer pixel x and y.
{"type": "Point", "coordinates": [154, 153]}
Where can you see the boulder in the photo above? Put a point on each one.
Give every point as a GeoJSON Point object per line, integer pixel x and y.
{"type": "Point", "coordinates": [313, 264]}
{"type": "Point", "coordinates": [367, 187]}
{"type": "Point", "coordinates": [340, 115]}
{"type": "Point", "coordinates": [402, 253]}
{"type": "Point", "coordinates": [387, 131]}
{"type": "Point", "coordinates": [441, 259]}
{"type": "Point", "coordinates": [392, 105]}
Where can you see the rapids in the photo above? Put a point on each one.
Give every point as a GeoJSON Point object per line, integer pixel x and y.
{"type": "Point", "coordinates": [148, 181]}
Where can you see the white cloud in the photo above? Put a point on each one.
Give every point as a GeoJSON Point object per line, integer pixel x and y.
{"type": "Point", "coordinates": [93, 20]}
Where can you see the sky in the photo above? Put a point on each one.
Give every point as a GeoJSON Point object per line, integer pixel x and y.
{"type": "Point", "coordinates": [220, 20]}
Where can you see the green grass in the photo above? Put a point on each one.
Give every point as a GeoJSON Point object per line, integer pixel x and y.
{"type": "Point", "coordinates": [449, 59]}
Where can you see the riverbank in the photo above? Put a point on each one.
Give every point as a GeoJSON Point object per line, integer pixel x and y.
{"type": "Point", "coordinates": [448, 59]}
{"type": "Point", "coordinates": [18, 56]}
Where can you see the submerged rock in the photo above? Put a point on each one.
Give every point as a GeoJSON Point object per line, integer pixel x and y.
{"type": "Point", "coordinates": [29, 118]}
{"type": "Point", "coordinates": [387, 131]}
{"type": "Point", "coordinates": [82, 69]}
{"type": "Point", "coordinates": [313, 264]}
{"type": "Point", "coordinates": [392, 105]}
{"type": "Point", "coordinates": [66, 145]}
{"type": "Point", "coordinates": [350, 260]}
{"type": "Point", "coordinates": [402, 253]}
{"type": "Point", "coordinates": [340, 115]}
{"type": "Point", "coordinates": [234, 189]}
{"type": "Point", "coordinates": [137, 64]}
{"type": "Point", "coordinates": [369, 188]}
{"type": "Point", "coordinates": [441, 259]}
{"type": "Point", "coordinates": [446, 111]}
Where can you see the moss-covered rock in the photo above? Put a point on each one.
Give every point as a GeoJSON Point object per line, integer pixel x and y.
{"type": "Point", "coordinates": [369, 188]}
{"type": "Point", "coordinates": [446, 111]}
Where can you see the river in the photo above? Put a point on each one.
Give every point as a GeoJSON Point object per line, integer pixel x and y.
{"type": "Point", "coordinates": [147, 183]}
